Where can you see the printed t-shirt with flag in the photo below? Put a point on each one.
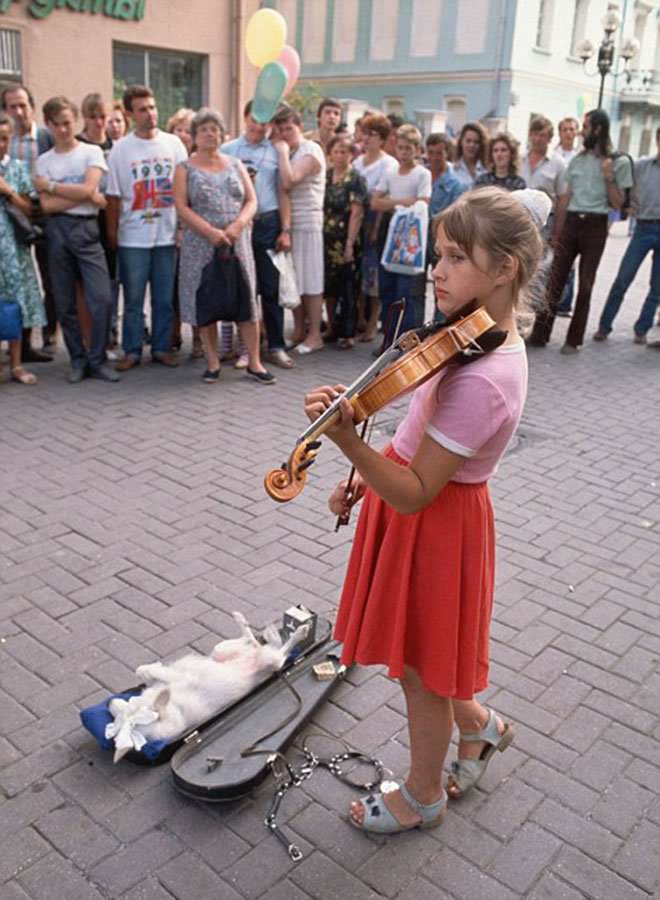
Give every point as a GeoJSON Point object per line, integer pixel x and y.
{"type": "Point", "coordinates": [141, 173]}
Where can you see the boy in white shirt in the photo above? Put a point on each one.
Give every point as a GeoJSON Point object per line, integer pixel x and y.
{"type": "Point", "coordinates": [67, 178]}
{"type": "Point", "coordinates": [401, 187]}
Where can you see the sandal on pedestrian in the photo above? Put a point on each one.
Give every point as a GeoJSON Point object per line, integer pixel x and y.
{"type": "Point", "coordinates": [467, 773]}
{"type": "Point", "coordinates": [22, 376]}
{"type": "Point", "coordinates": [379, 820]}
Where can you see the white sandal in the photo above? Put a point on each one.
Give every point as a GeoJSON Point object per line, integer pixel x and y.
{"type": "Point", "coordinates": [467, 773]}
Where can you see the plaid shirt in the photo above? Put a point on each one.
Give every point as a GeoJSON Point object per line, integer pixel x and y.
{"type": "Point", "coordinates": [29, 146]}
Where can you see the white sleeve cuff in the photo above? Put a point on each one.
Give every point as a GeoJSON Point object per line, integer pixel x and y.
{"type": "Point", "coordinates": [448, 443]}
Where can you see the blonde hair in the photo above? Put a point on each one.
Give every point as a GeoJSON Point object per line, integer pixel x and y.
{"type": "Point", "coordinates": [410, 134]}
{"type": "Point", "coordinates": [498, 222]}
{"type": "Point", "coordinates": [182, 116]}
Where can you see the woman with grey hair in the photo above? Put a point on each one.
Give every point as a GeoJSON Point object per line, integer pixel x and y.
{"type": "Point", "coordinates": [215, 202]}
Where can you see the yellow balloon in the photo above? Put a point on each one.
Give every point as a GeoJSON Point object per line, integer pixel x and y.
{"type": "Point", "coordinates": [265, 36]}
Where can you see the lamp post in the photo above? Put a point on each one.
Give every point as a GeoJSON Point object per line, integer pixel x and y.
{"type": "Point", "coordinates": [605, 60]}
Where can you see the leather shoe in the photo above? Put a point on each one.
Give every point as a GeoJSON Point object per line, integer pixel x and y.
{"type": "Point", "coordinates": [76, 375]}
{"type": "Point", "coordinates": [30, 355]}
{"type": "Point", "coordinates": [104, 373]}
{"type": "Point", "coordinates": [128, 362]}
{"type": "Point", "coordinates": [165, 359]}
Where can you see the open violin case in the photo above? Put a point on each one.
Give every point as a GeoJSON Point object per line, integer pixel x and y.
{"type": "Point", "coordinates": [207, 763]}
{"type": "Point", "coordinates": [231, 756]}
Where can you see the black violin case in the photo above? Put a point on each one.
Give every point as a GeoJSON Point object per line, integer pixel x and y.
{"type": "Point", "coordinates": [211, 764]}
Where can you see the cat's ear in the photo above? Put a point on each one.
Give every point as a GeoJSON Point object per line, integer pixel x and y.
{"type": "Point", "coordinates": [161, 700]}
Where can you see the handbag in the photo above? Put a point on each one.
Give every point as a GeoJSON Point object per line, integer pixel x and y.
{"type": "Point", "coordinates": [405, 248]}
{"type": "Point", "coordinates": [25, 231]}
{"type": "Point", "coordinates": [11, 320]}
{"type": "Point", "coordinates": [223, 294]}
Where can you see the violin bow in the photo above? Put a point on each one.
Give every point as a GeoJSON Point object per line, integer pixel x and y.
{"type": "Point", "coordinates": [399, 305]}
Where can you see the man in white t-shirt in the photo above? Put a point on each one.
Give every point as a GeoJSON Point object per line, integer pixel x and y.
{"type": "Point", "coordinates": [402, 187]}
{"type": "Point", "coordinates": [68, 178]}
{"type": "Point", "coordinates": [142, 224]}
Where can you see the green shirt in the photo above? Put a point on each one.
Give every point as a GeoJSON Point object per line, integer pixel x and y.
{"type": "Point", "coordinates": [588, 187]}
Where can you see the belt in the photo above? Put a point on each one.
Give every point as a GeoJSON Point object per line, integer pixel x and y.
{"type": "Point", "coordinates": [75, 217]}
{"type": "Point", "coordinates": [587, 215]}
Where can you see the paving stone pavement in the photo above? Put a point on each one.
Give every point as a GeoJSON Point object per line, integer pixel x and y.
{"type": "Point", "coordinates": [133, 521]}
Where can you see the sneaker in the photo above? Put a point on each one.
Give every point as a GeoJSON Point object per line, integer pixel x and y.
{"type": "Point", "coordinates": [104, 373]}
{"type": "Point", "coordinates": [165, 359]}
{"type": "Point", "coordinates": [76, 375]}
{"type": "Point", "coordinates": [282, 359]}
{"type": "Point", "coordinates": [242, 362]}
{"type": "Point", "coordinates": [639, 339]}
{"type": "Point", "coordinates": [600, 336]}
{"type": "Point", "coordinates": [569, 350]}
{"type": "Point", "coordinates": [653, 337]}
{"type": "Point", "coordinates": [262, 377]}
{"type": "Point", "coordinates": [211, 376]}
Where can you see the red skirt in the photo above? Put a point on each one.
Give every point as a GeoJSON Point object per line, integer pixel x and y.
{"type": "Point", "coordinates": [419, 589]}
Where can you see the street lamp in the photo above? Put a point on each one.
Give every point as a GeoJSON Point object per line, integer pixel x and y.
{"type": "Point", "coordinates": [605, 60]}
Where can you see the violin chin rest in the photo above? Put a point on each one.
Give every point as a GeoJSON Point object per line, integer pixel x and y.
{"type": "Point", "coordinates": [489, 340]}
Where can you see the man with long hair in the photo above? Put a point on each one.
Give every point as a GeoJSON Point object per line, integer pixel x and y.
{"type": "Point", "coordinates": [596, 182]}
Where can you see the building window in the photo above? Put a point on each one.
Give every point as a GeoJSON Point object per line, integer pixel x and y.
{"type": "Point", "coordinates": [344, 30]}
{"type": "Point", "coordinates": [175, 78]}
{"type": "Point", "coordinates": [394, 106]}
{"type": "Point", "coordinates": [425, 27]}
{"type": "Point", "coordinates": [10, 55]}
{"type": "Point", "coordinates": [544, 24]}
{"type": "Point", "coordinates": [456, 114]}
{"type": "Point", "coordinates": [471, 26]}
{"type": "Point", "coordinates": [289, 9]}
{"type": "Point", "coordinates": [313, 39]}
{"type": "Point", "coordinates": [579, 30]}
{"type": "Point", "coordinates": [384, 29]}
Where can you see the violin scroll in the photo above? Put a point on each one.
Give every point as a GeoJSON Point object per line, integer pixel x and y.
{"type": "Point", "coordinates": [287, 482]}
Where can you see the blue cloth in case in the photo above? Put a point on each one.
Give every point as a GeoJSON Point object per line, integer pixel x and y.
{"type": "Point", "coordinates": [95, 718]}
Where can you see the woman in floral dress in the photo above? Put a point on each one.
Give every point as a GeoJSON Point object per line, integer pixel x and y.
{"type": "Point", "coordinates": [18, 279]}
{"type": "Point", "coordinates": [216, 203]}
{"type": "Point", "coordinates": [346, 201]}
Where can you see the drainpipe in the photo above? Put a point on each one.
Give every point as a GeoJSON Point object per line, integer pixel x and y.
{"type": "Point", "coordinates": [238, 14]}
{"type": "Point", "coordinates": [498, 57]}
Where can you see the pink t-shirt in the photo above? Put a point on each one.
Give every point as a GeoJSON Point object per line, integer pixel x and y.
{"type": "Point", "coordinates": [470, 410]}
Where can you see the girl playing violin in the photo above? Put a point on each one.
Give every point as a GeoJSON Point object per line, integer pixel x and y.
{"type": "Point", "coordinates": [418, 592]}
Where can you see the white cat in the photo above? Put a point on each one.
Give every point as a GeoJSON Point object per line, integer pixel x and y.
{"type": "Point", "coordinates": [181, 695]}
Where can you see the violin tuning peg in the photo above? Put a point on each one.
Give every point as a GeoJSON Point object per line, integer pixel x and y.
{"type": "Point", "coordinates": [308, 462]}
{"type": "Point", "coordinates": [314, 445]}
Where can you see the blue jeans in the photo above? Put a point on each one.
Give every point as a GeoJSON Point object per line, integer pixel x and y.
{"type": "Point", "coordinates": [393, 287]}
{"type": "Point", "coordinates": [265, 231]}
{"type": "Point", "coordinates": [566, 301]}
{"type": "Point", "coordinates": [646, 238]}
{"type": "Point", "coordinates": [137, 266]}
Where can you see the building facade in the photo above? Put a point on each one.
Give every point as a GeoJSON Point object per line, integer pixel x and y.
{"type": "Point", "coordinates": [443, 62]}
{"type": "Point", "coordinates": [190, 53]}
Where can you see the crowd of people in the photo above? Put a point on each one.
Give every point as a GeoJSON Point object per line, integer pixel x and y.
{"type": "Point", "coordinates": [123, 206]}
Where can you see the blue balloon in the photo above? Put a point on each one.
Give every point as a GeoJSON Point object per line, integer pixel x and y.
{"type": "Point", "coordinates": [271, 84]}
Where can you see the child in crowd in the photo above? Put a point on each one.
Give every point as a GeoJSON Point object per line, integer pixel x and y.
{"type": "Point", "coordinates": [418, 593]}
{"type": "Point", "coordinates": [402, 187]}
{"type": "Point", "coordinates": [68, 180]}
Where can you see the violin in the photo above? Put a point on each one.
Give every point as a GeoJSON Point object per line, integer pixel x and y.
{"type": "Point", "coordinates": [410, 361]}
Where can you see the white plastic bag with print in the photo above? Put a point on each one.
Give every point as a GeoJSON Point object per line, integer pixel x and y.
{"type": "Point", "coordinates": [405, 248]}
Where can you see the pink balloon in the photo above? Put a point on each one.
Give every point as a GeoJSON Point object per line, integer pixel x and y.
{"type": "Point", "coordinates": [291, 62]}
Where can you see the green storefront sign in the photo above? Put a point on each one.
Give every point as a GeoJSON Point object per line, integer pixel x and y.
{"type": "Point", "coordinates": [128, 10]}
